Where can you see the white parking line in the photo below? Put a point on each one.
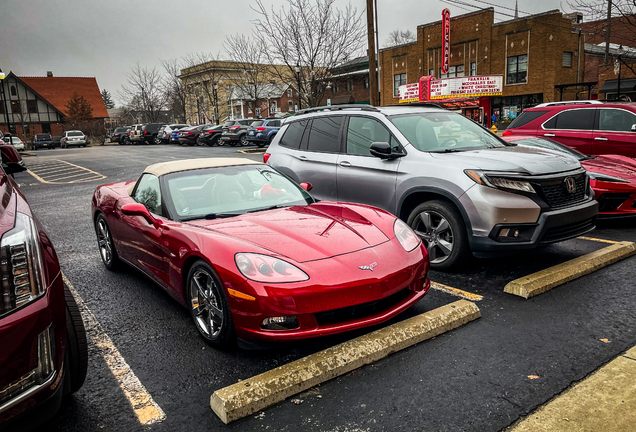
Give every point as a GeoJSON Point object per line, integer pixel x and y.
{"type": "Point", "coordinates": [145, 408]}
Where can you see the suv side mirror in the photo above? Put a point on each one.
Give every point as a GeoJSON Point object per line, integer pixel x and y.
{"type": "Point", "coordinates": [383, 150]}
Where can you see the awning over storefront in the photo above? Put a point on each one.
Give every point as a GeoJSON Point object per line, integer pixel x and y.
{"type": "Point", "coordinates": [611, 86]}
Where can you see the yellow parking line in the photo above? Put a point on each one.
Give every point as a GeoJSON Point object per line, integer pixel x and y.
{"type": "Point", "coordinates": [456, 292]}
{"type": "Point", "coordinates": [599, 240]}
{"type": "Point", "coordinates": [76, 174]}
{"type": "Point", "coordinates": [86, 169]}
{"type": "Point", "coordinates": [86, 179]}
{"type": "Point", "coordinates": [145, 408]}
{"type": "Point", "coordinates": [55, 169]}
{"type": "Point", "coordinates": [37, 177]}
{"type": "Point", "coordinates": [60, 170]}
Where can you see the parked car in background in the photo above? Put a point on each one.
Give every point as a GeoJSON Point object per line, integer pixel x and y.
{"type": "Point", "coordinates": [189, 135]}
{"type": "Point", "coordinates": [235, 132]}
{"type": "Point", "coordinates": [73, 138]}
{"type": "Point", "coordinates": [119, 134]}
{"type": "Point", "coordinates": [135, 135]}
{"type": "Point", "coordinates": [261, 132]}
{"type": "Point", "coordinates": [150, 133]}
{"type": "Point", "coordinates": [57, 141]}
{"type": "Point", "coordinates": [15, 141]}
{"type": "Point", "coordinates": [44, 353]}
{"type": "Point", "coordinates": [275, 280]}
{"type": "Point", "coordinates": [42, 141]}
{"type": "Point", "coordinates": [210, 135]}
{"type": "Point", "coordinates": [613, 177]}
{"type": "Point", "coordinates": [590, 127]}
{"type": "Point", "coordinates": [461, 188]}
{"type": "Point", "coordinates": [166, 132]}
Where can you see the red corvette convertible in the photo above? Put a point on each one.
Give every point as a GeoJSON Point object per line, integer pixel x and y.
{"type": "Point", "coordinates": [253, 256]}
{"type": "Point", "coordinates": [613, 177]}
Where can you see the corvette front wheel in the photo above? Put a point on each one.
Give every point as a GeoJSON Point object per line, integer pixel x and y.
{"type": "Point", "coordinates": [208, 306]}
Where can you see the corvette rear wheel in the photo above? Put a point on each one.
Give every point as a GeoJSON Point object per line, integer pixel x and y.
{"type": "Point", "coordinates": [208, 306]}
{"type": "Point", "coordinates": [106, 245]}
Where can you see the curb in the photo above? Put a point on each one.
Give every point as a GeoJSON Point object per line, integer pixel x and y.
{"type": "Point", "coordinates": [247, 397]}
{"type": "Point", "coordinates": [544, 280]}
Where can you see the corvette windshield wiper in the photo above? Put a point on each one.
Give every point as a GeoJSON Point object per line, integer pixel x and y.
{"type": "Point", "coordinates": [211, 216]}
{"type": "Point", "coordinates": [277, 206]}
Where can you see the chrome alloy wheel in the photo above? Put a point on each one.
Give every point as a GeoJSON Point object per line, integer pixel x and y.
{"type": "Point", "coordinates": [105, 242]}
{"type": "Point", "coordinates": [437, 235]}
{"type": "Point", "coordinates": [206, 304]}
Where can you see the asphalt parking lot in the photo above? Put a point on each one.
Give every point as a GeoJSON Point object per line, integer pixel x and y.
{"type": "Point", "coordinates": [473, 378]}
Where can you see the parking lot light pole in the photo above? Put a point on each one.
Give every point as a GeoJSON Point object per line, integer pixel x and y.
{"type": "Point", "coordinates": [6, 111]}
{"type": "Point", "coordinates": [215, 88]}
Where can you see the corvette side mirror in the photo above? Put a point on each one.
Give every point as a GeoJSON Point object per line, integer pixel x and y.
{"type": "Point", "coordinates": [634, 128]}
{"type": "Point", "coordinates": [137, 209]}
{"type": "Point", "coordinates": [307, 186]}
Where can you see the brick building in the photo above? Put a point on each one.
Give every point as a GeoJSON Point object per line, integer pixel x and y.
{"type": "Point", "coordinates": [349, 83]}
{"type": "Point", "coordinates": [274, 100]}
{"type": "Point", "coordinates": [534, 54]}
{"type": "Point", "coordinates": [38, 104]}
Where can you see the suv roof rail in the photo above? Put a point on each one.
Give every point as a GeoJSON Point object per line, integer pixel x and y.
{"type": "Point", "coordinates": [579, 102]}
{"type": "Point", "coordinates": [418, 104]}
{"type": "Point", "coordinates": [338, 107]}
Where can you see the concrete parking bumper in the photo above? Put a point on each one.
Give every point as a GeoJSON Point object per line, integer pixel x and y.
{"type": "Point", "coordinates": [544, 280]}
{"type": "Point", "coordinates": [247, 397]}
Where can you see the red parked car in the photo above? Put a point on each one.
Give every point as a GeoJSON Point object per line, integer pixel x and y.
{"type": "Point", "coordinates": [43, 351]}
{"type": "Point", "coordinates": [591, 127]}
{"type": "Point", "coordinates": [612, 177]}
{"type": "Point", "coordinates": [253, 256]}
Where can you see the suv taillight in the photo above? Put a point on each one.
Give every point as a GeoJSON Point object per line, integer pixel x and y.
{"type": "Point", "coordinates": [145, 132]}
{"type": "Point", "coordinates": [235, 128]}
{"type": "Point", "coordinates": [262, 128]}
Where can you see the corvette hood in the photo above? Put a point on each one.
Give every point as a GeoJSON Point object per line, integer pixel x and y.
{"type": "Point", "coordinates": [614, 165]}
{"type": "Point", "coordinates": [302, 233]}
{"type": "Point", "coordinates": [521, 159]}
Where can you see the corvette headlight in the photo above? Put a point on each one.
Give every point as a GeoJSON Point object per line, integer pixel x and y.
{"type": "Point", "coordinates": [499, 182]}
{"type": "Point", "coordinates": [21, 267]}
{"type": "Point", "coordinates": [405, 235]}
{"type": "Point", "coordinates": [606, 178]}
{"type": "Point", "coordinates": [264, 268]}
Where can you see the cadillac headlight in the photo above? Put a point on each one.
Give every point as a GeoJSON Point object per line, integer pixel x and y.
{"type": "Point", "coordinates": [21, 267]}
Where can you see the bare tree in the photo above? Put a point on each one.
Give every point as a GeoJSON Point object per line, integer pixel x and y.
{"type": "Point", "coordinates": [398, 37]}
{"type": "Point", "coordinates": [175, 88]}
{"type": "Point", "coordinates": [145, 92]}
{"type": "Point", "coordinates": [249, 56]}
{"type": "Point", "coordinates": [309, 38]}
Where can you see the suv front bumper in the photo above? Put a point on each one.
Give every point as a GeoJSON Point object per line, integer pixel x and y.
{"type": "Point", "coordinates": [551, 227]}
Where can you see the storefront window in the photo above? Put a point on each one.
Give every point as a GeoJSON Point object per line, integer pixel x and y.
{"type": "Point", "coordinates": [453, 71]}
{"type": "Point", "coordinates": [473, 69]}
{"type": "Point", "coordinates": [398, 80]}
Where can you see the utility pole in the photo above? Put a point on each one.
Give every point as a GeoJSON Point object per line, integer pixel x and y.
{"type": "Point", "coordinates": [373, 78]}
{"type": "Point", "coordinates": [607, 30]}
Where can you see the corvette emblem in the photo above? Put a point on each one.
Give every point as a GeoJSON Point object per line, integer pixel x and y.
{"type": "Point", "coordinates": [368, 267]}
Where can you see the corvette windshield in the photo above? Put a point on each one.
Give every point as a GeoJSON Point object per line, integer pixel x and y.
{"type": "Point", "coordinates": [228, 191]}
{"type": "Point", "coordinates": [442, 132]}
{"type": "Point", "coordinates": [551, 145]}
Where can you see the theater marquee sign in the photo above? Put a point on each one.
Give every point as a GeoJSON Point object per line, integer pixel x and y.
{"type": "Point", "coordinates": [447, 89]}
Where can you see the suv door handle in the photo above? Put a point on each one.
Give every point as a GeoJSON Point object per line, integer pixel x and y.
{"type": "Point", "coordinates": [345, 164]}
{"type": "Point", "coordinates": [303, 158]}
{"type": "Point", "coordinates": [548, 135]}
{"type": "Point", "coordinates": [600, 139]}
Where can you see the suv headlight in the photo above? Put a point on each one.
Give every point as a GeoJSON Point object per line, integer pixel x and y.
{"type": "Point", "coordinates": [21, 267]}
{"type": "Point", "coordinates": [499, 182]}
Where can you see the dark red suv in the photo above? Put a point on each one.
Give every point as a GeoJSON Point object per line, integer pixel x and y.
{"type": "Point", "coordinates": [43, 351]}
{"type": "Point", "coordinates": [591, 127]}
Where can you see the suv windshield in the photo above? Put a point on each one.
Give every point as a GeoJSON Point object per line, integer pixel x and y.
{"type": "Point", "coordinates": [229, 123]}
{"type": "Point", "coordinates": [444, 132]}
{"type": "Point", "coordinates": [257, 123]}
{"type": "Point", "coordinates": [42, 137]}
{"type": "Point", "coordinates": [74, 134]}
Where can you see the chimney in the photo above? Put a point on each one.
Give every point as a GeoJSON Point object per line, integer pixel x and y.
{"type": "Point", "coordinates": [49, 74]}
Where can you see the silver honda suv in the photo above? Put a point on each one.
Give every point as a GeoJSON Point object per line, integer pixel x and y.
{"type": "Point", "coordinates": [458, 186]}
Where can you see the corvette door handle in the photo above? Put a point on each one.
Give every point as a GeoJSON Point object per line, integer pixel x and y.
{"type": "Point", "coordinates": [600, 139]}
{"type": "Point", "coordinates": [303, 158]}
{"type": "Point", "coordinates": [550, 135]}
{"type": "Point", "coordinates": [345, 164]}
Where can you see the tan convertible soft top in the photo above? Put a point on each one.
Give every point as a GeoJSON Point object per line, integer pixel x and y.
{"type": "Point", "coordinates": [163, 168]}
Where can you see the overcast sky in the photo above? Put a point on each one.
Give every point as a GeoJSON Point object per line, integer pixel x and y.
{"type": "Point", "coordinates": [105, 38]}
